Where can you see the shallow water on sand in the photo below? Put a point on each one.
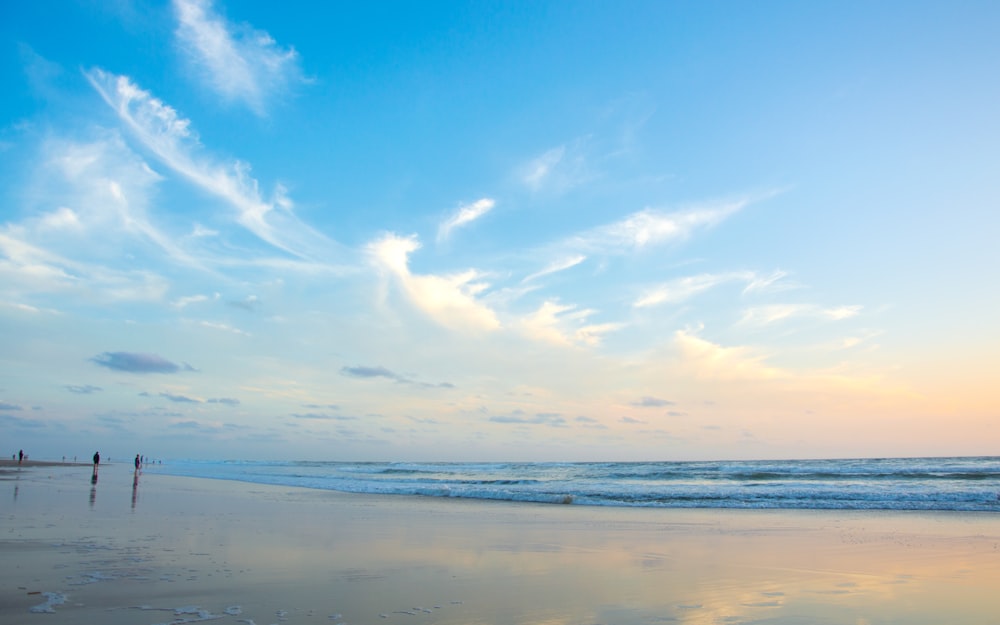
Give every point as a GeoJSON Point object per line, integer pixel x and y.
{"type": "Point", "coordinates": [174, 550]}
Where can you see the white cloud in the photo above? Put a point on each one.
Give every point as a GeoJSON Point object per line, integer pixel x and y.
{"type": "Point", "coordinates": [650, 227]}
{"type": "Point", "coordinates": [707, 360]}
{"type": "Point", "coordinates": [559, 169]}
{"type": "Point", "coordinates": [465, 214]}
{"type": "Point", "coordinates": [767, 315]}
{"type": "Point", "coordinates": [26, 268]}
{"type": "Point", "coordinates": [184, 302]}
{"type": "Point", "coordinates": [768, 283]}
{"type": "Point", "coordinates": [159, 128]}
{"type": "Point", "coordinates": [448, 299]}
{"type": "Point", "coordinates": [560, 265]}
{"type": "Point", "coordinates": [104, 189]}
{"type": "Point", "coordinates": [560, 324]}
{"type": "Point", "coordinates": [682, 289]}
{"type": "Point", "coordinates": [224, 327]}
{"type": "Point", "coordinates": [61, 218]}
{"type": "Point", "coordinates": [840, 312]}
{"type": "Point", "coordinates": [540, 168]}
{"type": "Point", "coordinates": [237, 61]}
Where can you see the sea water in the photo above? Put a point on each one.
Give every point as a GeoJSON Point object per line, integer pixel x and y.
{"type": "Point", "coordinates": [966, 484]}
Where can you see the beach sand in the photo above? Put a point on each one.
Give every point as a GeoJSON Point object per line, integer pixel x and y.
{"type": "Point", "coordinates": [160, 549]}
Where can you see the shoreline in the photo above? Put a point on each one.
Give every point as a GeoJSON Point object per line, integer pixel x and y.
{"type": "Point", "coordinates": [14, 464]}
{"type": "Point", "coordinates": [138, 548]}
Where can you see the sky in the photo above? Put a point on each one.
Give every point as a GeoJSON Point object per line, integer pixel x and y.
{"type": "Point", "coordinates": [462, 231]}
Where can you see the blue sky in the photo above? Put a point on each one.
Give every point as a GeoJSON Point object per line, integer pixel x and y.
{"type": "Point", "coordinates": [460, 231]}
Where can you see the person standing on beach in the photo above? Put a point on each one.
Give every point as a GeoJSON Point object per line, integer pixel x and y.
{"type": "Point", "coordinates": [20, 456]}
{"type": "Point", "coordinates": [97, 460]}
{"type": "Point", "coordinates": [137, 462]}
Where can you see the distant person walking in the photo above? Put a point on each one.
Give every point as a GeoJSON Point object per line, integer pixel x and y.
{"type": "Point", "coordinates": [20, 456]}
{"type": "Point", "coordinates": [137, 462]}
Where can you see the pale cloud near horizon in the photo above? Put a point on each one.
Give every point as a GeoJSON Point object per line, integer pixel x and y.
{"type": "Point", "coordinates": [465, 215]}
{"type": "Point", "coordinates": [237, 61]}
{"type": "Point", "coordinates": [707, 360]}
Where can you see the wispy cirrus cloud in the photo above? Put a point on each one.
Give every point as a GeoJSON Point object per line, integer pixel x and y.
{"type": "Point", "coordinates": [465, 215]}
{"type": "Point", "coordinates": [650, 227]}
{"type": "Point", "coordinates": [95, 197]}
{"type": "Point", "coordinates": [684, 288]}
{"type": "Point", "coordinates": [100, 188]}
{"type": "Point", "coordinates": [159, 128]}
{"type": "Point", "coordinates": [237, 61]}
{"type": "Point", "coordinates": [562, 264]}
{"type": "Point", "coordinates": [540, 169]}
{"type": "Point", "coordinates": [223, 327]}
{"type": "Point", "coordinates": [188, 300]}
{"type": "Point", "coordinates": [29, 268]}
{"type": "Point", "coordinates": [776, 313]}
{"type": "Point", "coordinates": [558, 169]}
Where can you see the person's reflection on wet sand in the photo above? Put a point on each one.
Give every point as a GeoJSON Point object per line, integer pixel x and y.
{"type": "Point", "coordinates": [135, 488]}
{"type": "Point", "coordinates": [93, 489]}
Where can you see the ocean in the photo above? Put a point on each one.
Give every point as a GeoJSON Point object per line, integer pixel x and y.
{"type": "Point", "coordinates": [960, 484]}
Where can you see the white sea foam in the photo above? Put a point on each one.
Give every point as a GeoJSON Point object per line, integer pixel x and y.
{"type": "Point", "coordinates": [52, 599]}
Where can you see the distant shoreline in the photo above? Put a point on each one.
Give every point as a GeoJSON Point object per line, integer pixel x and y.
{"type": "Point", "coordinates": [6, 464]}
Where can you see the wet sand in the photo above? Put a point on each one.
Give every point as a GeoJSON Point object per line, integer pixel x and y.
{"type": "Point", "coordinates": [156, 549]}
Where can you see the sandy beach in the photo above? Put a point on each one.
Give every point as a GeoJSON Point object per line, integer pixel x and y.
{"type": "Point", "coordinates": [151, 549]}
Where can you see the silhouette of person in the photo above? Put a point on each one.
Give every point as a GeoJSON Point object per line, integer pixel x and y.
{"type": "Point", "coordinates": [20, 456]}
{"type": "Point", "coordinates": [137, 462]}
